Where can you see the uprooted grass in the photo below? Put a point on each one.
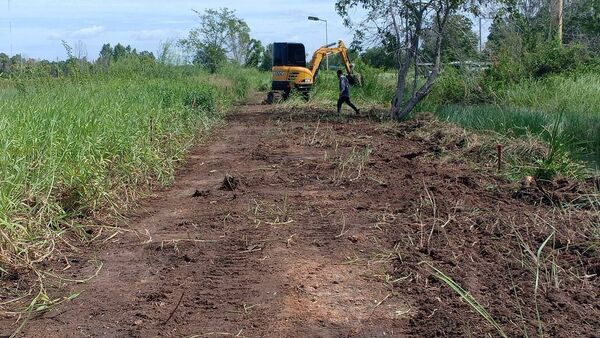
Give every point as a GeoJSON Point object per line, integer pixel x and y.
{"type": "Point", "coordinates": [463, 224]}
{"type": "Point", "coordinates": [468, 298]}
{"type": "Point", "coordinates": [351, 166]}
{"type": "Point", "coordinates": [515, 270]}
{"type": "Point", "coordinates": [557, 178]}
{"type": "Point", "coordinates": [521, 156]}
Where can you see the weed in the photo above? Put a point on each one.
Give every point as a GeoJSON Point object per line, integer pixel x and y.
{"type": "Point", "coordinates": [275, 213]}
{"type": "Point", "coordinates": [467, 297]}
{"type": "Point", "coordinates": [351, 166]}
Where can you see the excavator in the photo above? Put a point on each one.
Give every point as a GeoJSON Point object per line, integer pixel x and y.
{"type": "Point", "coordinates": [290, 71]}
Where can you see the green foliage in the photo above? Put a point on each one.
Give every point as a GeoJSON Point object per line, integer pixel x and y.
{"type": "Point", "coordinates": [459, 41]}
{"type": "Point", "coordinates": [221, 36]}
{"type": "Point", "coordinates": [379, 57]}
{"type": "Point", "coordinates": [127, 58]}
{"type": "Point", "coordinates": [582, 24]}
{"type": "Point", "coordinates": [266, 62]}
{"type": "Point", "coordinates": [210, 56]}
{"type": "Point", "coordinates": [377, 88]}
{"type": "Point", "coordinates": [552, 58]}
{"type": "Point", "coordinates": [456, 85]}
{"type": "Point", "coordinates": [255, 53]}
{"type": "Point", "coordinates": [73, 146]}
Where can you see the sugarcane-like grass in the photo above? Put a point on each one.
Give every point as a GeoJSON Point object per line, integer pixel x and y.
{"type": "Point", "coordinates": [72, 148]}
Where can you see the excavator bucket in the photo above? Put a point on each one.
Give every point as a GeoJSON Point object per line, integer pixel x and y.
{"type": "Point", "coordinates": [355, 80]}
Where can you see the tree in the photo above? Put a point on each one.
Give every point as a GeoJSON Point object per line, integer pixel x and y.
{"type": "Point", "coordinates": [4, 64]}
{"type": "Point", "coordinates": [146, 56]}
{"type": "Point", "coordinates": [105, 55]}
{"type": "Point", "coordinates": [220, 36]}
{"type": "Point", "coordinates": [266, 62]}
{"type": "Point", "coordinates": [120, 51]}
{"type": "Point", "coordinates": [404, 23]}
{"type": "Point", "coordinates": [379, 57]}
{"type": "Point", "coordinates": [458, 44]}
{"type": "Point", "coordinates": [530, 25]}
{"type": "Point", "coordinates": [255, 53]}
{"type": "Point", "coordinates": [582, 23]}
{"type": "Point", "coordinates": [210, 57]}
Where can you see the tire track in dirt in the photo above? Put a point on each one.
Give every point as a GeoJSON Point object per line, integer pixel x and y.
{"type": "Point", "coordinates": [326, 236]}
{"type": "Point", "coordinates": [273, 258]}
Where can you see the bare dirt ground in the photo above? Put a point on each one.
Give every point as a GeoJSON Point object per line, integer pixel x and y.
{"type": "Point", "coordinates": [331, 230]}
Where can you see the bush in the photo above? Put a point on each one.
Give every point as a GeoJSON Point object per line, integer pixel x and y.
{"type": "Point", "coordinates": [455, 86]}
{"type": "Point", "coordinates": [555, 59]}
{"type": "Point", "coordinates": [544, 60]}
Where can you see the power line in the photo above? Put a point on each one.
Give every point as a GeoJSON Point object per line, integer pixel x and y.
{"type": "Point", "coordinates": [9, 27]}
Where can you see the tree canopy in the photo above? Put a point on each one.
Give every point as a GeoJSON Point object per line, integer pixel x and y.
{"type": "Point", "coordinates": [221, 36]}
{"type": "Point", "coordinates": [403, 25]}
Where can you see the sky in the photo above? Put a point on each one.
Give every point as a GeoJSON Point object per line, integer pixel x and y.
{"type": "Point", "coordinates": [35, 28]}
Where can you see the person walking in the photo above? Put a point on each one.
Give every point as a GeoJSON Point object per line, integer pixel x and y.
{"type": "Point", "coordinates": [345, 93]}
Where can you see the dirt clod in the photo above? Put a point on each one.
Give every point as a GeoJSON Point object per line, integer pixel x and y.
{"type": "Point", "coordinates": [201, 193]}
{"type": "Point", "coordinates": [230, 183]}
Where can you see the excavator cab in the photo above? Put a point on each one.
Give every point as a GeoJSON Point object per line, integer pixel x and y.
{"type": "Point", "coordinates": [289, 70]}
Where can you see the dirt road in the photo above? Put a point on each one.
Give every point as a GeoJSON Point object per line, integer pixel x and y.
{"type": "Point", "coordinates": [324, 235]}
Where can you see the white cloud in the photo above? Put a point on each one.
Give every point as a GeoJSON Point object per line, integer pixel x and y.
{"type": "Point", "coordinates": [144, 23]}
{"type": "Point", "coordinates": [86, 32]}
{"type": "Point", "coordinates": [153, 34]}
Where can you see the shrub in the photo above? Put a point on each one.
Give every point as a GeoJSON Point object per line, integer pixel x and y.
{"type": "Point", "coordinates": [553, 58]}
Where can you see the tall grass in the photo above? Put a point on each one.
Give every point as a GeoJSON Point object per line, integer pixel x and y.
{"type": "Point", "coordinates": [378, 87]}
{"type": "Point", "coordinates": [534, 107]}
{"type": "Point", "coordinates": [73, 146]}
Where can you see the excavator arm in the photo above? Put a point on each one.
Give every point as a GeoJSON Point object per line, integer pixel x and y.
{"type": "Point", "coordinates": [322, 53]}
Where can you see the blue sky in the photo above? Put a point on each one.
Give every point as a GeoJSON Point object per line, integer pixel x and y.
{"type": "Point", "coordinates": [38, 26]}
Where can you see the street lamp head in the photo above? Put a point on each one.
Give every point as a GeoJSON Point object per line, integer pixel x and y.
{"type": "Point", "coordinates": [313, 18]}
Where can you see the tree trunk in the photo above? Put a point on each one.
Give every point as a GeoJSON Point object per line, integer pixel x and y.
{"type": "Point", "coordinates": [417, 95]}
{"type": "Point", "coordinates": [408, 59]}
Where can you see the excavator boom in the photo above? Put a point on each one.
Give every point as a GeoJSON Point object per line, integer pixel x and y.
{"type": "Point", "coordinates": [324, 51]}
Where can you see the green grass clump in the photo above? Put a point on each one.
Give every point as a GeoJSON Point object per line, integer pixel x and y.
{"type": "Point", "coordinates": [531, 107]}
{"type": "Point", "coordinates": [71, 147]}
{"type": "Point", "coordinates": [378, 87]}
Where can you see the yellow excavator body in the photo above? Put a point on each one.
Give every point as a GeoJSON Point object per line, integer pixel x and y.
{"type": "Point", "coordinates": [299, 78]}
{"type": "Point", "coordinates": [291, 73]}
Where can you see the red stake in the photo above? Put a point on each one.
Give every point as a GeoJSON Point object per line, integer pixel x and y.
{"type": "Point", "coordinates": [499, 157]}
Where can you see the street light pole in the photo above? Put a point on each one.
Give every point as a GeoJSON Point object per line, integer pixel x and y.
{"type": "Point", "coordinates": [314, 18]}
{"type": "Point", "coordinates": [327, 41]}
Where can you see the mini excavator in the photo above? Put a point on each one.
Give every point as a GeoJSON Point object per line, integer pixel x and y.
{"type": "Point", "coordinates": [290, 72]}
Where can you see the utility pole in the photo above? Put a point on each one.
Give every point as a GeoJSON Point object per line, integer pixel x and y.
{"type": "Point", "coordinates": [480, 39]}
{"type": "Point", "coordinates": [314, 18]}
{"type": "Point", "coordinates": [560, 21]}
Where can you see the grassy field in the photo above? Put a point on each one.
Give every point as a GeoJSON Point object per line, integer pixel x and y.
{"type": "Point", "coordinates": [528, 109]}
{"type": "Point", "coordinates": [572, 103]}
{"type": "Point", "coordinates": [76, 146]}
{"type": "Point", "coordinates": [89, 143]}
